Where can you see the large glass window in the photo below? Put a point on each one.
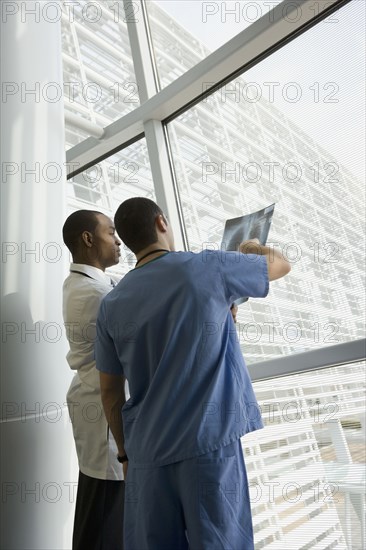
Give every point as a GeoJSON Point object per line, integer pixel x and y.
{"type": "Point", "coordinates": [243, 148]}
{"type": "Point", "coordinates": [289, 131]}
{"type": "Point", "coordinates": [306, 468]}
{"type": "Point", "coordinates": [105, 185]}
{"type": "Point", "coordinates": [99, 80]}
{"type": "Point", "coordinates": [186, 31]}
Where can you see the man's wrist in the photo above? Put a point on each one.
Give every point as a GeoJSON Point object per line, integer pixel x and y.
{"type": "Point", "coordinates": [122, 458]}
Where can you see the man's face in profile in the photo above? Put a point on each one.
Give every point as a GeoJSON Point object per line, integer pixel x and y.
{"type": "Point", "coordinates": [106, 242]}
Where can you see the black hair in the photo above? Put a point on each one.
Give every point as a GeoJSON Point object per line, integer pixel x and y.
{"type": "Point", "coordinates": [135, 223]}
{"type": "Point", "coordinates": [76, 224]}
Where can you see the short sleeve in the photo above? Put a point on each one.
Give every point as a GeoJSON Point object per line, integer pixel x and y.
{"type": "Point", "coordinates": [105, 352]}
{"type": "Point", "coordinates": [244, 275]}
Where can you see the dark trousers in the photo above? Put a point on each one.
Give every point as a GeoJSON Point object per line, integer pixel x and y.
{"type": "Point", "coordinates": [98, 521]}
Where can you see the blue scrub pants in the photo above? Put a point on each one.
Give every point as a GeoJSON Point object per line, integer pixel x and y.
{"type": "Point", "coordinates": [196, 504]}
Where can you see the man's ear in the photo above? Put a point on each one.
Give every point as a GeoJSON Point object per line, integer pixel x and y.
{"type": "Point", "coordinates": [162, 223]}
{"type": "Point", "coordinates": [87, 238]}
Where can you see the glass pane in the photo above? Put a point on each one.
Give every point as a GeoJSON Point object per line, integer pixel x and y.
{"type": "Point", "coordinates": [306, 468]}
{"type": "Point", "coordinates": [99, 79]}
{"type": "Point", "coordinates": [241, 150]}
{"type": "Point", "coordinates": [104, 186]}
{"type": "Point", "coordinates": [186, 31]}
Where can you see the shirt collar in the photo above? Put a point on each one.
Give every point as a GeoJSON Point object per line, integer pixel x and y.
{"type": "Point", "coordinates": [91, 271]}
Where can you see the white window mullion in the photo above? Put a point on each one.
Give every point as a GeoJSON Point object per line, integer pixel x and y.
{"type": "Point", "coordinates": [141, 51]}
{"type": "Point", "coordinates": [147, 83]}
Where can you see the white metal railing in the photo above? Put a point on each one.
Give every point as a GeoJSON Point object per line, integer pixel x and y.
{"type": "Point", "coordinates": [347, 352]}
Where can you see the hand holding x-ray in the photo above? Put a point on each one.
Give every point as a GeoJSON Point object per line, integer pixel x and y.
{"type": "Point", "coordinates": [251, 227]}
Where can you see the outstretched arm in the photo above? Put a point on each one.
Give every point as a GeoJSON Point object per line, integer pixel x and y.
{"type": "Point", "coordinates": [278, 265]}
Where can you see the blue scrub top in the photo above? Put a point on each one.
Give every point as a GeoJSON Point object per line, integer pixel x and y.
{"type": "Point", "coordinates": [168, 329]}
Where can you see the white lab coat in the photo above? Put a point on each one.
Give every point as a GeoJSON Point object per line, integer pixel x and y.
{"type": "Point", "coordinates": [96, 449]}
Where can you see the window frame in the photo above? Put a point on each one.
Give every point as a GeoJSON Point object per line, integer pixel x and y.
{"type": "Point", "coordinates": [158, 108]}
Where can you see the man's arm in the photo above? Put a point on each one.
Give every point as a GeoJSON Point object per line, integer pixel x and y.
{"type": "Point", "coordinates": [234, 311]}
{"type": "Point", "coordinates": [278, 265]}
{"type": "Point", "coordinates": [112, 388]}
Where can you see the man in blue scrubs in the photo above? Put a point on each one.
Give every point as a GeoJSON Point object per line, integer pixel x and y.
{"type": "Point", "coordinates": [167, 328]}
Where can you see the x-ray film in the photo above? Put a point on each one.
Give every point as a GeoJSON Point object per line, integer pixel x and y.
{"type": "Point", "coordinates": [251, 226]}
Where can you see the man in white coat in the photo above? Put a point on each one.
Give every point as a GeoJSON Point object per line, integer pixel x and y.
{"type": "Point", "coordinates": [90, 237]}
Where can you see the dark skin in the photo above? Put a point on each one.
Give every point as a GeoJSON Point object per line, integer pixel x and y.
{"type": "Point", "coordinates": [99, 248]}
{"type": "Point", "coordinates": [234, 311]}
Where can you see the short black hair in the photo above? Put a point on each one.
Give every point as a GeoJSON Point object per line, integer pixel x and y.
{"type": "Point", "coordinates": [76, 224]}
{"type": "Point", "coordinates": [135, 222]}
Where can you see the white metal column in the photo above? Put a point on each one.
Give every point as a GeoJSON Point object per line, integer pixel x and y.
{"type": "Point", "coordinates": [37, 452]}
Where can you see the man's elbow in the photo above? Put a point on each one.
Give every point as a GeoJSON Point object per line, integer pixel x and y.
{"type": "Point", "coordinates": [279, 269]}
{"type": "Point", "coordinates": [286, 267]}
